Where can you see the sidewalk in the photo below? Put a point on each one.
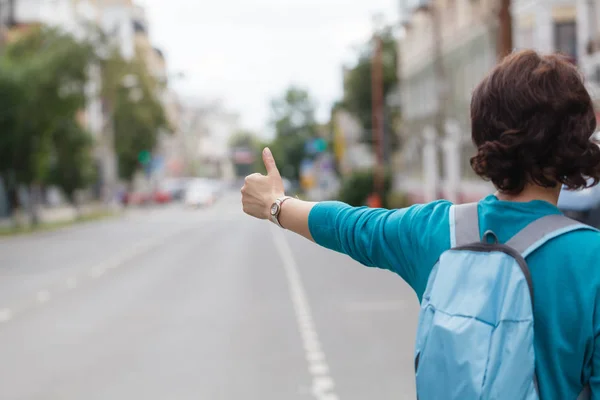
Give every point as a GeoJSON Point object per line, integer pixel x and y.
{"type": "Point", "coordinates": [62, 214]}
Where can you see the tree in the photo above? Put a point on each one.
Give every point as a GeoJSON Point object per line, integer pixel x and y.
{"type": "Point", "coordinates": [43, 77]}
{"type": "Point", "coordinates": [73, 165]}
{"type": "Point", "coordinates": [138, 115]}
{"type": "Point", "coordinates": [293, 118]}
{"type": "Point", "coordinates": [247, 141]}
{"type": "Point", "coordinates": [357, 97]}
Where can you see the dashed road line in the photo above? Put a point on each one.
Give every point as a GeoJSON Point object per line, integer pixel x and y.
{"type": "Point", "coordinates": [323, 386]}
{"type": "Point", "coordinates": [43, 296]}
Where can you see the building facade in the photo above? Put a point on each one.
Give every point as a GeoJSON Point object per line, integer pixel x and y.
{"type": "Point", "coordinates": [462, 34]}
{"type": "Point", "coordinates": [206, 128]}
{"type": "Point", "coordinates": [588, 34]}
{"type": "Point", "coordinates": [350, 151]}
{"type": "Point", "coordinates": [569, 27]}
{"type": "Point", "coordinates": [547, 26]}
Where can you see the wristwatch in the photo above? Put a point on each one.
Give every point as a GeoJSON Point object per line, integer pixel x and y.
{"type": "Point", "coordinates": [276, 210]}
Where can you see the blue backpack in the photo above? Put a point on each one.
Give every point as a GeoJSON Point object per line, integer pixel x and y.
{"type": "Point", "coordinates": [475, 333]}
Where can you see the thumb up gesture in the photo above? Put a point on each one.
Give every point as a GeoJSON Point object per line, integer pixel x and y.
{"type": "Point", "coordinates": [260, 191]}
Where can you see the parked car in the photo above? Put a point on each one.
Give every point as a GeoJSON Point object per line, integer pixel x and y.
{"type": "Point", "coordinates": [199, 193]}
{"type": "Point", "coordinates": [219, 187]}
{"type": "Point", "coordinates": [162, 196]}
{"type": "Point", "coordinates": [137, 198]}
{"type": "Point", "coordinates": [170, 189]}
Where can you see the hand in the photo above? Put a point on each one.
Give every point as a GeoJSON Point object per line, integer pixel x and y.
{"type": "Point", "coordinates": [260, 191]}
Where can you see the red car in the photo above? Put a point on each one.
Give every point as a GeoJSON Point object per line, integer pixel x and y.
{"type": "Point", "coordinates": [137, 198]}
{"type": "Point", "coordinates": [162, 197]}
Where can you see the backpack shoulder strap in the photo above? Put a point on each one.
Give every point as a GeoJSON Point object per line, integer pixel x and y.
{"type": "Point", "coordinates": [535, 235]}
{"type": "Point", "coordinates": [464, 224]}
{"type": "Point", "coordinates": [538, 232]}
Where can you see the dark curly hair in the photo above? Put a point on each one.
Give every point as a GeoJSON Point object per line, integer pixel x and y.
{"type": "Point", "coordinates": [532, 120]}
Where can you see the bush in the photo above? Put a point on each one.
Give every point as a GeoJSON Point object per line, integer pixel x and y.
{"type": "Point", "coordinates": [357, 187]}
{"type": "Point", "coordinates": [397, 200]}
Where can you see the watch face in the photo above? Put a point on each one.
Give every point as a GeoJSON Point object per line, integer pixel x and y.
{"type": "Point", "coordinates": [274, 209]}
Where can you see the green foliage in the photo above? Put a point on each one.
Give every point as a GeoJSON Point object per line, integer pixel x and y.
{"type": "Point", "coordinates": [358, 186]}
{"type": "Point", "coordinates": [43, 77]}
{"type": "Point", "coordinates": [73, 166]}
{"type": "Point", "coordinates": [358, 86]}
{"type": "Point", "coordinates": [293, 117]}
{"type": "Point", "coordinates": [42, 87]}
{"type": "Point", "coordinates": [248, 140]}
{"type": "Point", "coordinates": [138, 115]}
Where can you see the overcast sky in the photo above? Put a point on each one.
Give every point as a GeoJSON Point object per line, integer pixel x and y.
{"type": "Point", "coordinates": [247, 51]}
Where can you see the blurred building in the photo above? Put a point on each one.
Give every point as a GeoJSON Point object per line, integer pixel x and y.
{"type": "Point", "coordinates": [117, 20]}
{"type": "Point", "coordinates": [463, 34]}
{"type": "Point", "coordinates": [569, 27]}
{"type": "Point", "coordinates": [206, 128]}
{"type": "Point", "coordinates": [351, 153]}
{"type": "Point", "coordinates": [547, 26]}
{"type": "Point", "coordinates": [63, 13]}
{"type": "Point", "coordinates": [588, 35]}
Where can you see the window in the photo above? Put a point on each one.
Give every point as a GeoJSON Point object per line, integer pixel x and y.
{"type": "Point", "coordinates": [138, 27]}
{"type": "Point", "coordinates": [596, 75]}
{"type": "Point", "coordinates": [565, 39]}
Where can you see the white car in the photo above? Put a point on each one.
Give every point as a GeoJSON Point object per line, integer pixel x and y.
{"type": "Point", "coordinates": [199, 194]}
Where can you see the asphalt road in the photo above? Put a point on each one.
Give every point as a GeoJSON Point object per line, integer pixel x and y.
{"type": "Point", "coordinates": [198, 304]}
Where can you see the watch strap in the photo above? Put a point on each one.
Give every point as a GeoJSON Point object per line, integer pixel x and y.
{"type": "Point", "coordinates": [279, 202]}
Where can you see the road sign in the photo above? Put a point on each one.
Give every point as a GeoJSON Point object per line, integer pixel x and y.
{"type": "Point", "coordinates": [315, 146]}
{"type": "Point", "coordinates": [144, 157]}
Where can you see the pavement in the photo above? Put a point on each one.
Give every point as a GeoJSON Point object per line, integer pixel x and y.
{"type": "Point", "coordinates": [172, 304]}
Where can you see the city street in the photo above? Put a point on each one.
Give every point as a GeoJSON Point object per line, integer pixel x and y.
{"type": "Point", "coordinates": [172, 303]}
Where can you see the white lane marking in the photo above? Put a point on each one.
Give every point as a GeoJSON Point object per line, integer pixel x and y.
{"type": "Point", "coordinates": [135, 251]}
{"type": "Point", "coordinates": [319, 369]}
{"type": "Point", "coordinates": [5, 314]}
{"type": "Point", "coordinates": [71, 283]}
{"type": "Point", "coordinates": [43, 296]}
{"type": "Point", "coordinates": [138, 249]}
{"type": "Point", "coordinates": [315, 356]}
{"type": "Point", "coordinates": [323, 386]}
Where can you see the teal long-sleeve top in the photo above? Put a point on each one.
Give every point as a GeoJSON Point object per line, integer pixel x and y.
{"type": "Point", "coordinates": [565, 273]}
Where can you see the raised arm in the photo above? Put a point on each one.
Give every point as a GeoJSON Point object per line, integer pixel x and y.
{"type": "Point", "coordinates": [260, 192]}
{"type": "Point", "coordinates": [399, 240]}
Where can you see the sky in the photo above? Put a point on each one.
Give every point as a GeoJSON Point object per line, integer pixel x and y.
{"type": "Point", "coordinates": [246, 52]}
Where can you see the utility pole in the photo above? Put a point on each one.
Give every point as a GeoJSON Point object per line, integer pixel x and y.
{"type": "Point", "coordinates": [505, 37]}
{"type": "Point", "coordinates": [592, 11]}
{"type": "Point", "coordinates": [441, 88]}
{"type": "Point", "coordinates": [377, 118]}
